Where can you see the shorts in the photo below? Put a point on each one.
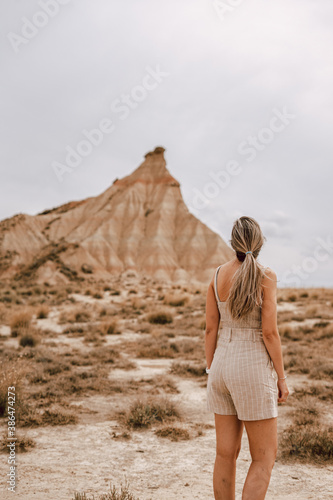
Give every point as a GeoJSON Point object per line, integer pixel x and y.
{"type": "Point", "coordinates": [242, 380]}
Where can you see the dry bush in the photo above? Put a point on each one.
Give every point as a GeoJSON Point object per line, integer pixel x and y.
{"type": "Point", "coordinates": [295, 334]}
{"type": "Point", "coordinates": [93, 337]}
{"type": "Point", "coordinates": [319, 391]}
{"type": "Point", "coordinates": [20, 319]}
{"type": "Point", "coordinates": [326, 330]}
{"type": "Point", "coordinates": [173, 433]}
{"type": "Point", "coordinates": [109, 328]}
{"type": "Point", "coordinates": [138, 304]}
{"type": "Point", "coordinates": [75, 331]}
{"type": "Point", "coordinates": [144, 413]}
{"type": "Point", "coordinates": [292, 297]}
{"type": "Point", "coordinates": [29, 338]}
{"type": "Point", "coordinates": [176, 300]}
{"type": "Point", "coordinates": [77, 315]}
{"type": "Point", "coordinates": [22, 444]}
{"type": "Point", "coordinates": [322, 370]}
{"type": "Point", "coordinates": [3, 313]}
{"type": "Point", "coordinates": [160, 318]}
{"type": "Point", "coordinates": [114, 494]}
{"type": "Point", "coordinates": [43, 312]}
{"type": "Point", "coordinates": [187, 370]}
{"type": "Point", "coordinates": [61, 387]}
{"type": "Point", "coordinates": [312, 443]}
{"type": "Point", "coordinates": [49, 416]}
{"type": "Point", "coordinates": [11, 375]}
{"type": "Point", "coordinates": [161, 384]}
{"type": "Point", "coordinates": [313, 312]}
{"type": "Point", "coordinates": [306, 413]}
{"type": "Point", "coordinates": [154, 348]}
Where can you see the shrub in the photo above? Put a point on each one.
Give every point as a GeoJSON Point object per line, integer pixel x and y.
{"type": "Point", "coordinates": [173, 433]}
{"type": "Point", "coordinates": [10, 376]}
{"type": "Point", "coordinates": [123, 494]}
{"type": "Point", "coordinates": [148, 412]}
{"type": "Point", "coordinates": [160, 318]}
{"type": "Point", "coordinates": [187, 369]}
{"type": "Point", "coordinates": [311, 443]}
{"type": "Point", "coordinates": [307, 413]}
{"type": "Point", "coordinates": [20, 319]}
{"type": "Point", "coordinates": [28, 340]}
{"type": "Point", "coordinates": [110, 328]}
{"type": "Point", "coordinates": [22, 444]}
{"type": "Point", "coordinates": [59, 417]}
{"type": "Point", "coordinates": [323, 392]}
{"type": "Point", "coordinates": [43, 312]}
{"type": "Point", "coordinates": [175, 300]}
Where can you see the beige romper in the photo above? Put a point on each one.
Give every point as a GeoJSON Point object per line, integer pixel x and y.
{"type": "Point", "coordinates": [242, 380]}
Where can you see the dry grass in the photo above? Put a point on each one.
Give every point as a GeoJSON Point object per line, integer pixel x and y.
{"type": "Point", "coordinates": [321, 392]}
{"type": "Point", "coordinates": [20, 320]}
{"type": "Point", "coordinates": [173, 433]}
{"type": "Point", "coordinates": [49, 416]}
{"type": "Point", "coordinates": [145, 412]}
{"type": "Point", "coordinates": [76, 315]}
{"type": "Point", "coordinates": [43, 312]}
{"type": "Point", "coordinates": [176, 300]}
{"type": "Point", "coordinates": [11, 375]}
{"type": "Point", "coordinates": [307, 443]}
{"type": "Point", "coordinates": [160, 318]}
{"type": "Point", "coordinates": [29, 339]}
{"type": "Point", "coordinates": [109, 328]}
{"type": "Point", "coordinates": [22, 444]}
{"type": "Point", "coordinates": [188, 370]}
{"type": "Point", "coordinates": [307, 438]}
{"type": "Point", "coordinates": [114, 494]}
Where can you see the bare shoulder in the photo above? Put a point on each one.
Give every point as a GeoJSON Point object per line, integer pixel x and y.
{"type": "Point", "coordinates": [222, 268]}
{"type": "Point", "coordinates": [270, 277]}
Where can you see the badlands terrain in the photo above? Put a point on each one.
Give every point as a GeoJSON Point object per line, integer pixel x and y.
{"type": "Point", "coordinates": [139, 223]}
{"type": "Point", "coordinates": [111, 392]}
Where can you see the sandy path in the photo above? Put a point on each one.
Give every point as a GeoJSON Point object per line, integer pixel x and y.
{"type": "Point", "coordinates": [85, 457]}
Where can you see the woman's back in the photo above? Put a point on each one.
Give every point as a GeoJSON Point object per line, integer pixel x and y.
{"type": "Point", "coordinates": [222, 285]}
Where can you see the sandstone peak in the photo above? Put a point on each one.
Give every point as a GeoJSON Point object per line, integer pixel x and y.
{"type": "Point", "coordinates": [157, 151]}
{"type": "Point", "coordinates": [152, 170]}
{"type": "Point", "coordinates": [140, 223]}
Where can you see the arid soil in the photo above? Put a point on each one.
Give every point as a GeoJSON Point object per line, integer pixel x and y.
{"type": "Point", "coordinates": [98, 450]}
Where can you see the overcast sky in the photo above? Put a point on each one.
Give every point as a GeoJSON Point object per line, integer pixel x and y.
{"type": "Point", "coordinates": [240, 97]}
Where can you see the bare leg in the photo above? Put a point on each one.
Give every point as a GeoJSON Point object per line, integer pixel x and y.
{"type": "Point", "coordinates": [262, 436]}
{"type": "Point", "coordinates": [229, 432]}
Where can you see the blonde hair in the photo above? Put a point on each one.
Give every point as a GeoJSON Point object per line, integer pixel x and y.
{"type": "Point", "coordinates": [245, 292]}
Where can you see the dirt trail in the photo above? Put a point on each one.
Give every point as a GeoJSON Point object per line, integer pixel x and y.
{"type": "Point", "coordinates": [85, 457]}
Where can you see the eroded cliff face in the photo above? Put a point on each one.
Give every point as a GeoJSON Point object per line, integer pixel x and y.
{"type": "Point", "coordinates": [140, 223]}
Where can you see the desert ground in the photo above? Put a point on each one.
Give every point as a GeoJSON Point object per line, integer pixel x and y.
{"type": "Point", "coordinates": [111, 392]}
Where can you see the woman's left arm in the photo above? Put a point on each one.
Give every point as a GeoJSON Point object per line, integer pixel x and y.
{"type": "Point", "coordinates": [212, 324]}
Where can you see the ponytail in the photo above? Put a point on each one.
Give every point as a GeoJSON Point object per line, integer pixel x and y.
{"type": "Point", "coordinates": [245, 293]}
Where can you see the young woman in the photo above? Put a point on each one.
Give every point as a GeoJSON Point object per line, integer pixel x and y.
{"type": "Point", "coordinates": [246, 377]}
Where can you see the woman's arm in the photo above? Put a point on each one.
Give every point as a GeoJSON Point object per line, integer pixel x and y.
{"type": "Point", "coordinates": [270, 332]}
{"type": "Point", "coordinates": [212, 324]}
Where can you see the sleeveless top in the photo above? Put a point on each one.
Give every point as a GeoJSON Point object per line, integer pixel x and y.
{"type": "Point", "coordinates": [251, 320]}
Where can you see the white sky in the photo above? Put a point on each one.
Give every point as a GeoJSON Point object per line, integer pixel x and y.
{"type": "Point", "coordinates": [226, 75]}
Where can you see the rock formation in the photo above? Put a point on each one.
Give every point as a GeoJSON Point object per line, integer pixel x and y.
{"type": "Point", "coordinates": [140, 223]}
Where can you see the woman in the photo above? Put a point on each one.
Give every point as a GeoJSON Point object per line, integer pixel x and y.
{"type": "Point", "coordinates": [246, 377]}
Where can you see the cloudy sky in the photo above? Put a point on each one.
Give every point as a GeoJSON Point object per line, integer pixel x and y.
{"type": "Point", "coordinates": [238, 92]}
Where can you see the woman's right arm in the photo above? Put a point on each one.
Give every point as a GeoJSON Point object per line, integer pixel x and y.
{"type": "Point", "coordinates": [270, 331]}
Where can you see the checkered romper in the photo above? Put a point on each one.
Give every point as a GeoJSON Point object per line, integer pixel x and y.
{"type": "Point", "coordinates": [242, 380]}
